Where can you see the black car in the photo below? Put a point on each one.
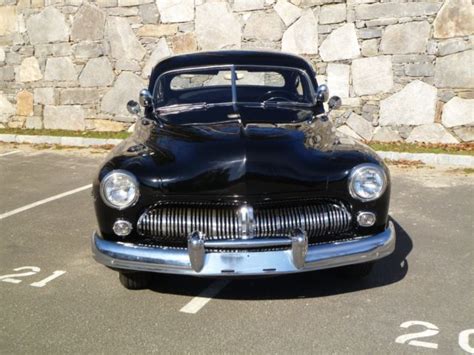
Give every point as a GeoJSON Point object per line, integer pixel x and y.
{"type": "Point", "coordinates": [234, 169]}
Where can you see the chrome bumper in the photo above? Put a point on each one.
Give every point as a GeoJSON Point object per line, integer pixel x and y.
{"type": "Point", "coordinates": [197, 262]}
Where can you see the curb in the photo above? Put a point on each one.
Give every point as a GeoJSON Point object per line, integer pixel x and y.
{"type": "Point", "coordinates": [66, 141]}
{"type": "Point", "coordinates": [466, 161]}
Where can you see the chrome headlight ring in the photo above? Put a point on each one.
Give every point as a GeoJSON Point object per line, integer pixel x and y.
{"type": "Point", "coordinates": [123, 185]}
{"type": "Point", "coordinates": [367, 182]}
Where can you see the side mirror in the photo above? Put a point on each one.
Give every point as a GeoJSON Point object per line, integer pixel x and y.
{"type": "Point", "coordinates": [334, 103]}
{"type": "Point", "coordinates": [322, 94]}
{"type": "Point", "coordinates": [133, 107]}
{"type": "Point", "coordinates": [145, 98]}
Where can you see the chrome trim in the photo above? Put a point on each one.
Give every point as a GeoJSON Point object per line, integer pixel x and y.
{"type": "Point", "coordinates": [196, 250]}
{"type": "Point", "coordinates": [129, 225]}
{"type": "Point", "coordinates": [248, 243]}
{"type": "Point", "coordinates": [172, 222]}
{"type": "Point", "coordinates": [177, 261]}
{"type": "Point", "coordinates": [131, 177]}
{"type": "Point", "coordinates": [246, 221]}
{"type": "Point", "coordinates": [365, 213]}
{"type": "Point", "coordinates": [299, 248]}
{"type": "Point", "coordinates": [356, 170]}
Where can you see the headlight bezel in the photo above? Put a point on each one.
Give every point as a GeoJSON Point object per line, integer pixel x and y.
{"type": "Point", "coordinates": [356, 172]}
{"type": "Point", "coordinates": [130, 177]}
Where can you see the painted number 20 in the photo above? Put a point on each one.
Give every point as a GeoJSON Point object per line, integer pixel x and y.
{"type": "Point", "coordinates": [431, 330]}
{"type": "Point", "coordinates": [33, 270]}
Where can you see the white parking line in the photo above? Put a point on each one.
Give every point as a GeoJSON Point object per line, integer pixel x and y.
{"type": "Point", "coordinates": [10, 153]}
{"type": "Point", "coordinates": [42, 202]}
{"type": "Point", "coordinates": [204, 297]}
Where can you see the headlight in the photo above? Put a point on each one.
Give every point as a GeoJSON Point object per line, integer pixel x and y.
{"type": "Point", "coordinates": [367, 182]}
{"type": "Point", "coordinates": [119, 189]}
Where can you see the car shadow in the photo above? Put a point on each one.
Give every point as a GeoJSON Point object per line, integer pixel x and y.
{"type": "Point", "coordinates": [388, 270]}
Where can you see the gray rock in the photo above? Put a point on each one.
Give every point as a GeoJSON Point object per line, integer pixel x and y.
{"type": "Point", "coordinates": [424, 69]}
{"type": "Point", "coordinates": [6, 74]}
{"type": "Point", "coordinates": [302, 36]}
{"type": "Point", "coordinates": [175, 10]}
{"type": "Point", "coordinates": [107, 3]}
{"type": "Point", "coordinates": [44, 96]}
{"type": "Point", "coordinates": [381, 22]}
{"type": "Point", "coordinates": [431, 133]}
{"type": "Point", "coordinates": [455, 70]}
{"type": "Point", "coordinates": [332, 14]}
{"type": "Point", "coordinates": [97, 72]}
{"type": "Point", "coordinates": [264, 27]}
{"type": "Point", "coordinates": [458, 112]}
{"type": "Point", "coordinates": [6, 109]}
{"type": "Point", "coordinates": [466, 134]}
{"type": "Point", "coordinates": [414, 105]}
{"type": "Point", "coordinates": [60, 69]}
{"type": "Point", "coordinates": [452, 46]}
{"type": "Point", "coordinates": [122, 40]}
{"type": "Point", "coordinates": [410, 37]}
{"type": "Point", "coordinates": [53, 49]}
{"type": "Point", "coordinates": [348, 132]}
{"type": "Point", "coordinates": [85, 50]}
{"type": "Point", "coordinates": [372, 76]}
{"type": "Point", "coordinates": [338, 79]}
{"type": "Point", "coordinates": [29, 70]}
{"type": "Point", "coordinates": [133, 2]}
{"type": "Point", "coordinates": [64, 117]}
{"type": "Point", "coordinates": [370, 48]}
{"type": "Point", "coordinates": [456, 18]}
{"type": "Point", "coordinates": [79, 96]}
{"type": "Point", "coordinates": [288, 12]}
{"type": "Point", "coordinates": [248, 5]}
{"type": "Point", "coordinates": [149, 13]}
{"type": "Point", "coordinates": [217, 27]}
{"type": "Point", "coordinates": [34, 123]}
{"type": "Point", "coordinates": [47, 26]}
{"type": "Point", "coordinates": [88, 23]}
{"type": "Point", "coordinates": [126, 87]}
{"type": "Point", "coordinates": [386, 134]}
{"type": "Point", "coordinates": [395, 10]}
{"type": "Point", "coordinates": [340, 44]}
{"type": "Point", "coordinates": [161, 51]}
{"type": "Point", "coordinates": [2, 55]}
{"type": "Point", "coordinates": [362, 127]}
{"type": "Point", "coordinates": [368, 33]}
{"type": "Point", "coordinates": [127, 65]}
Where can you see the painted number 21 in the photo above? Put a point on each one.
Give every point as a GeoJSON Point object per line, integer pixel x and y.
{"type": "Point", "coordinates": [33, 270]}
{"type": "Point", "coordinates": [432, 330]}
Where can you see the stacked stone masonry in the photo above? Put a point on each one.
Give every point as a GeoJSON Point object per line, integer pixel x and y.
{"type": "Point", "coordinates": [403, 69]}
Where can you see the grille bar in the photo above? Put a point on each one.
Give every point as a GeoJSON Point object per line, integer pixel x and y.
{"type": "Point", "coordinates": [173, 223]}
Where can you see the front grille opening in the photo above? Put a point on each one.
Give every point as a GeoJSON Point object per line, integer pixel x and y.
{"type": "Point", "coordinates": [169, 224]}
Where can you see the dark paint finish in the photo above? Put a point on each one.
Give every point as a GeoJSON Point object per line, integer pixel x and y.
{"type": "Point", "coordinates": [237, 161]}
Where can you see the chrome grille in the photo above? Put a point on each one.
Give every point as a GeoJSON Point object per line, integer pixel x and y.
{"type": "Point", "coordinates": [173, 223]}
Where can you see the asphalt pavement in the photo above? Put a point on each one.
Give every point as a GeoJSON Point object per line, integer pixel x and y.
{"type": "Point", "coordinates": [57, 299]}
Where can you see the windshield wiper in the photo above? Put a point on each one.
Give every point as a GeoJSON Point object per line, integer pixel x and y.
{"type": "Point", "coordinates": [179, 108]}
{"type": "Point", "coordinates": [291, 105]}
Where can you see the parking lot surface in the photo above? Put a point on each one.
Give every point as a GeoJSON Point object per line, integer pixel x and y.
{"type": "Point", "coordinates": [56, 299]}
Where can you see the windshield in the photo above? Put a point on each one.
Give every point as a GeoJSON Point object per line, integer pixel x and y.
{"type": "Point", "coordinates": [232, 85]}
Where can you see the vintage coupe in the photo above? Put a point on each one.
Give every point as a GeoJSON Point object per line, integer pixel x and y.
{"type": "Point", "coordinates": [234, 169]}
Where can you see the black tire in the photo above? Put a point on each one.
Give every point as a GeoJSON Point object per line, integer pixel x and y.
{"type": "Point", "coordinates": [357, 270]}
{"type": "Point", "coordinates": [134, 280]}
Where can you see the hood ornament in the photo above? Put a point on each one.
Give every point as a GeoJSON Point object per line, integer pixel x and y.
{"type": "Point", "coordinates": [246, 221]}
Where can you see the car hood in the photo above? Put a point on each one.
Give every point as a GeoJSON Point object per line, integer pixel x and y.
{"type": "Point", "coordinates": [236, 159]}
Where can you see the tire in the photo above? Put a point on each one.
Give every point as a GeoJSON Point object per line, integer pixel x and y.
{"type": "Point", "coordinates": [134, 280]}
{"type": "Point", "coordinates": [357, 270]}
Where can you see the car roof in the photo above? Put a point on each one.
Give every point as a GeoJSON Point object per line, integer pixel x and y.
{"type": "Point", "coordinates": [238, 57]}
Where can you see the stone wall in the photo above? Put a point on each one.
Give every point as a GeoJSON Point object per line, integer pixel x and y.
{"type": "Point", "coordinates": [403, 69]}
